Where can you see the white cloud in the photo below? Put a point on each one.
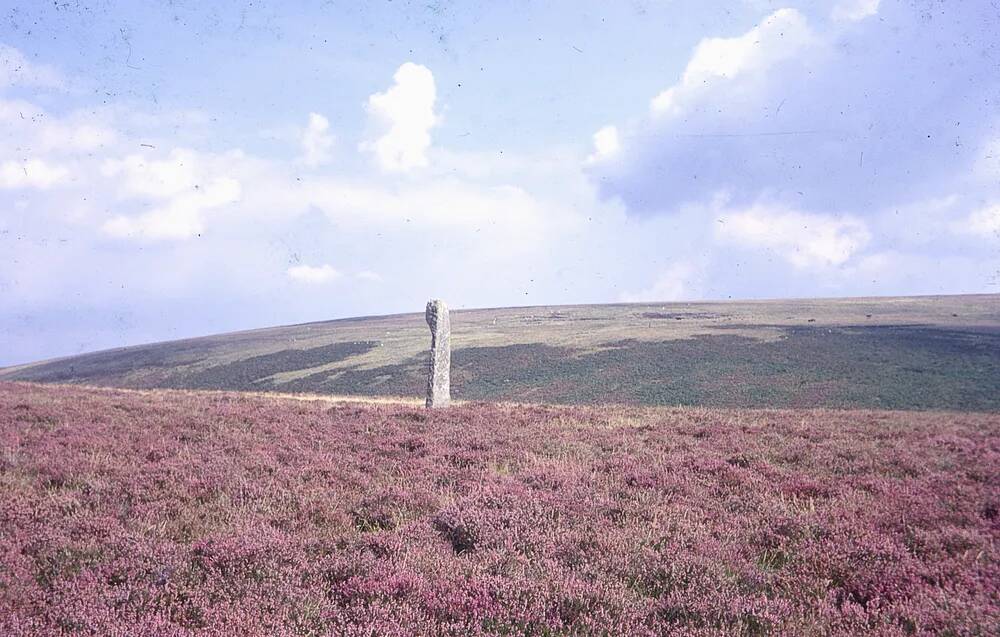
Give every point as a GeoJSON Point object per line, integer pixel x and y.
{"type": "Point", "coordinates": [15, 68]}
{"type": "Point", "coordinates": [984, 222]}
{"type": "Point", "coordinates": [406, 112]}
{"type": "Point", "coordinates": [501, 210]}
{"type": "Point", "coordinates": [780, 36]}
{"type": "Point", "coordinates": [811, 112]}
{"type": "Point", "coordinates": [158, 178]}
{"type": "Point", "coordinates": [906, 273]}
{"type": "Point", "coordinates": [181, 187]}
{"type": "Point", "coordinates": [77, 133]}
{"type": "Point", "coordinates": [162, 192]}
{"type": "Point", "coordinates": [854, 10]}
{"type": "Point", "coordinates": [803, 239]}
{"type": "Point", "coordinates": [313, 274]}
{"type": "Point", "coordinates": [180, 218]}
{"type": "Point", "coordinates": [316, 141]}
{"type": "Point", "coordinates": [31, 173]}
{"type": "Point", "coordinates": [606, 144]}
{"type": "Point", "coordinates": [679, 282]}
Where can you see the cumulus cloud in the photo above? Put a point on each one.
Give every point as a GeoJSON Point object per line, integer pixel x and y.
{"type": "Point", "coordinates": [140, 175]}
{"type": "Point", "coordinates": [178, 190]}
{"type": "Point", "coordinates": [313, 274]}
{"type": "Point", "coordinates": [779, 37]}
{"type": "Point", "coordinates": [181, 217]}
{"type": "Point", "coordinates": [316, 141]}
{"type": "Point", "coordinates": [984, 223]}
{"type": "Point", "coordinates": [16, 69]}
{"type": "Point", "coordinates": [821, 114]}
{"type": "Point", "coordinates": [914, 273]}
{"type": "Point", "coordinates": [181, 170]}
{"type": "Point", "coordinates": [678, 282]}
{"type": "Point", "coordinates": [803, 239]}
{"type": "Point", "coordinates": [31, 173]}
{"type": "Point", "coordinates": [606, 144]}
{"type": "Point", "coordinates": [440, 202]}
{"type": "Point", "coordinates": [854, 10]}
{"type": "Point", "coordinates": [405, 113]}
{"type": "Point", "coordinates": [72, 134]}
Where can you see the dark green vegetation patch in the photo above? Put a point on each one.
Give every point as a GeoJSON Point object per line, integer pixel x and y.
{"type": "Point", "coordinates": [253, 373]}
{"type": "Point", "coordinates": [897, 367]}
{"type": "Point", "coordinates": [112, 365]}
{"type": "Point", "coordinates": [896, 353]}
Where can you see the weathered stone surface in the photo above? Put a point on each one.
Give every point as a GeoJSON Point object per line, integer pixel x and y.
{"type": "Point", "coordinates": [439, 370]}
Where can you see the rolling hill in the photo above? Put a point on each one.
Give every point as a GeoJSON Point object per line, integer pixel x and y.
{"type": "Point", "coordinates": [899, 353]}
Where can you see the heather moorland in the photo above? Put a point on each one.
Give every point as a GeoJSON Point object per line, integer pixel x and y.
{"type": "Point", "coordinates": [176, 513]}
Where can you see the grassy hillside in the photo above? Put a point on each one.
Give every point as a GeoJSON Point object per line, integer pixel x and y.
{"type": "Point", "coordinates": [168, 513]}
{"type": "Point", "coordinates": [898, 353]}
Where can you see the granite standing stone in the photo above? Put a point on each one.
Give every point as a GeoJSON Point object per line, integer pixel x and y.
{"type": "Point", "coordinates": [439, 371]}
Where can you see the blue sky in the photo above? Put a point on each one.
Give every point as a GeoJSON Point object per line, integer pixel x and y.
{"type": "Point", "coordinates": [174, 169]}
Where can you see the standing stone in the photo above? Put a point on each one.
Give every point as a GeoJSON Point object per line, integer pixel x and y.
{"type": "Point", "coordinates": [439, 371]}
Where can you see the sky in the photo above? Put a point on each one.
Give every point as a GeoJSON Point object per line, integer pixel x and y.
{"type": "Point", "coordinates": [187, 167]}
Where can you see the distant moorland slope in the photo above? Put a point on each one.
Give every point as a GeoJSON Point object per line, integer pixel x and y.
{"type": "Point", "coordinates": [899, 353]}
